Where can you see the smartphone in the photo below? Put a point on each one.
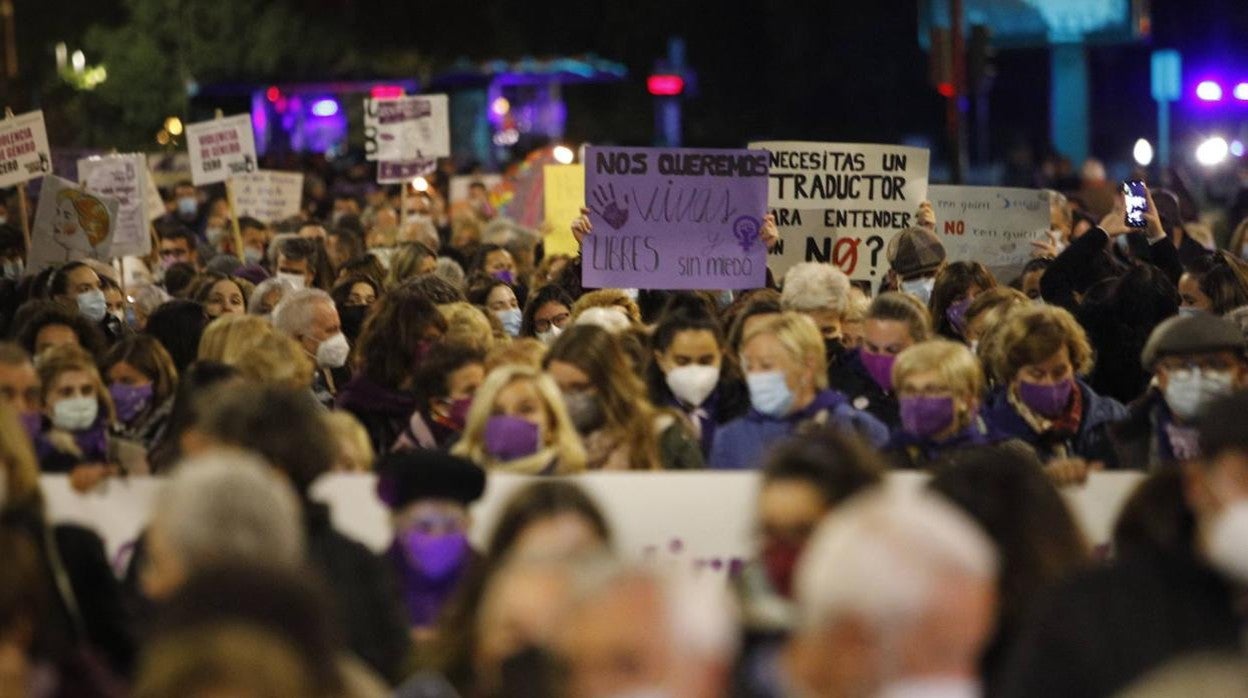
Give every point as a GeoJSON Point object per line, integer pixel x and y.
{"type": "Point", "coordinates": [1135, 195]}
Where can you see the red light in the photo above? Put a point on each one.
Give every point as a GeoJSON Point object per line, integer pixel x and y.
{"type": "Point", "coordinates": [273, 94]}
{"type": "Point", "coordinates": [386, 91]}
{"type": "Point", "coordinates": [945, 89]}
{"type": "Point", "coordinates": [665, 85]}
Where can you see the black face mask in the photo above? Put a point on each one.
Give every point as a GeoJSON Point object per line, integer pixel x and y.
{"type": "Point", "coordinates": [352, 319]}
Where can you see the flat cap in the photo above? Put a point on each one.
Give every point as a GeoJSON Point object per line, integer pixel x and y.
{"type": "Point", "coordinates": [1194, 334]}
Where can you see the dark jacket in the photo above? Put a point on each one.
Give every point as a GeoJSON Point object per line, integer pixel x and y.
{"type": "Point", "coordinates": [907, 452]}
{"type": "Point", "coordinates": [1139, 440]}
{"type": "Point", "coordinates": [1091, 442]}
{"type": "Point", "coordinates": [1106, 627]}
{"type": "Point", "coordinates": [383, 411]}
{"type": "Point", "coordinates": [851, 378]}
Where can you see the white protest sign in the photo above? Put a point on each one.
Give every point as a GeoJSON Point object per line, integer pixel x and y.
{"type": "Point", "coordinates": [24, 151]}
{"type": "Point", "coordinates": [123, 178]}
{"type": "Point", "coordinates": [71, 223]}
{"type": "Point", "coordinates": [221, 148]}
{"type": "Point", "coordinates": [994, 226]}
{"type": "Point", "coordinates": [461, 185]}
{"type": "Point", "coordinates": [155, 204]}
{"type": "Point", "coordinates": [400, 171]}
{"type": "Point", "coordinates": [401, 129]}
{"type": "Point", "coordinates": [842, 202]}
{"type": "Point", "coordinates": [268, 195]}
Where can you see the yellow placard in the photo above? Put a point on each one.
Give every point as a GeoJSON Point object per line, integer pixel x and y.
{"type": "Point", "coordinates": [564, 197]}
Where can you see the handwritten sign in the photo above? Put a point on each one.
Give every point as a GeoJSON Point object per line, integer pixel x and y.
{"type": "Point", "coordinates": [155, 204]}
{"type": "Point", "coordinates": [221, 148]}
{"type": "Point", "coordinates": [122, 177]}
{"type": "Point", "coordinates": [24, 151]}
{"type": "Point", "coordinates": [842, 202]}
{"type": "Point", "coordinates": [667, 218]}
{"type": "Point", "coordinates": [409, 128]}
{"type": "Point", "coordinates": [991, 225]}
{"type": "Point", "coordinates": [400, 171]}
{"type": "Point", "coordinates": [71, 223]}
{"type": "Point", "coordinates": [564, 195]}
{"type": "Point", "coordinates": [268, 195]}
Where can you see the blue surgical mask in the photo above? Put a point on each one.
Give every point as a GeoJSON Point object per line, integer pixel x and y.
{"type": "Point", "coordinates": [769, 393]}
{"type": "Point", "coordinates": [92, 305]}
{"type": "Point", "coordinates": [1190, 311]}
{"type": "Point", "coordinates": [511, 319]}
{"type": "Point", "coordinates": [188, 206]}
{"type": "Point", "coordinates": [920, 288]}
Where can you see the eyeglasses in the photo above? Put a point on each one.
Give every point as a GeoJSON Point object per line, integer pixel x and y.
{"type": "Point", "coordinates": [558, 321]}
{"type": "Point", "coordinates": [1184, 368]}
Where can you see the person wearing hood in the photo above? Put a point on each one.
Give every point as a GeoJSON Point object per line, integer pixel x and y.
{"type": "Point", "coordinates": [786, 373]}
{"type": "Point", "coordinates": [428, 494]}
{"type": "Point", "coordinates": [310, 317]}
{"type": "Point", "coordinates": [1194, 360]}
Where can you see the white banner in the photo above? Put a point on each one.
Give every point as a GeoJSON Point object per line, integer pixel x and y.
{"type": "Point", "coordinates": [24, 151]}
{"type": "Point", "coordinates": [221, 148]}
{"type": "Point", "coordinates": [71, 223]}
{"type": "Point", "coordinates": [268, 195]}
{"type": "Point", "coordinates": [402, 129]}
{"type": "Point", "coordinates": [125, 178]}
{"type": "Point", "coordinates": [842, 202]}
{"type": "Point", "coordinates": [991, 225]}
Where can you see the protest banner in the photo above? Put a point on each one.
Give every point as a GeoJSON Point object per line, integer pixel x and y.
{"type": "Point", "coordinates": [564, 196]}
{"type": "Point", "coordinates": [70, 224]}
{"type": "Point", "coordinates": [401, 129]}
{"type": "Point", "coordinates": [221, 148]}
{"type": "Point", "coordinates": [991, 225]}
{"type": "Point", "coordinates": [24, 151]}
{"type": "Point", "coordinates": [461, 185]}
{"type": "Point", "coordinates": [842, 202]}
{"type": "Point", "coordinates": [402, 171]}
{"type": "Point", "coordinates": [669, 218]}
{"type": "Point", "coordinates": [268, 195]}
{"type": "Point", "coordinates": [122, 177]}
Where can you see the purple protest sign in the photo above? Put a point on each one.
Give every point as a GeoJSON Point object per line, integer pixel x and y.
{"type": "Point", "coordinates": [675, 218]}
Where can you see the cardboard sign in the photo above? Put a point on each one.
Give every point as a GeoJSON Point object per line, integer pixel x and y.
{"type": "Point", "coordinates": [123, 177]}
{"type": "Point", "coordinates": [155, 204]}
{"type": "Point", "coordinates": [416, 127]}
{"type": "Point", "coordinates": [564, 196]}
{"type": "Point", "coordinates": [71, 223]}
{"type": "Point", "coordinates": [400, 171]}
{"type": "Point", "coordinates": [672, 218]}
{"type": "Point", "coordinates": [24, 151]}
{"type": "Point", "coordinates": [221, 148]}
{"type": "Point", "coordinates": [991, 225]}
{"type": "Point", "coordinates": [268, 195]}
{"type": "Point", "coordinates": [842, 202]}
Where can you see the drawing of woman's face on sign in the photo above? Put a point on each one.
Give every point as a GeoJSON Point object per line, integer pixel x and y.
{"type": "Point", "coordinates": [65, 224]}
{"type": "Point", "coordinates": [81, 221]}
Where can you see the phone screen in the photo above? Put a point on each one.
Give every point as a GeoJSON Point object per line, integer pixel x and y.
{"type": "Point", "coordinates": [1136, 198]}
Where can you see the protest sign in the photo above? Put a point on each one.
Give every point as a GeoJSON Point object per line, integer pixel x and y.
{"type": "Point", "coordinates": [408, 128]}
{"type": "Point", "coordinates": [991, 225]}
{"type": "Point", "coordinates": [155, 204]}
{"type": "Point", "coordinates": [268, 195]}
{"type": "Point", "coordinates": [221, 148]}
{"type": "Point", "coordinates": [400, 171]}
{"type": "Point", "coordinates": [122, 177]}
{"type": "Point", "coordinates": [24, 151]}
{"type": "Point", "coordinates": [461, 185]}
{"type": "Point", "coordinates": [70, 224]}
{"type": "Point", "coordinates": [675, 218]}
{"type": "Point", "coordinates": [564, 197]}
{"type": "Point", "coordinates": [169, 168]}
{"type": "Point", "coordinates": [842, 202]}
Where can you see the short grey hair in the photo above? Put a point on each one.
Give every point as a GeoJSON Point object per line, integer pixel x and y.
{"type": "Point", "coordinates": [263, 289]}
{"type": "Point", "coordinates": [293, 315]}
{"type": "Point", "coordinates": [148, 298]}
{"type": "Point", "coordinates": [814, 286]}
{"type": "Point", "coordinates": [450, 270]}
{"type": "Point", "coordinates": [228, 507]}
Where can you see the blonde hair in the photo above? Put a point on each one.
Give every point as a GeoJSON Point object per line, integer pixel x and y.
{"type": "Point", "coordinates": [64, 358]}
{"type": "Point", "coordinates": [607, 298]}
{"type": "Point", "coordinates": [259, 351]}
{"type": "Point", "coordinates": [228, 334]}
{"type": "Point", "coordinates": [569, 453]}
{"type": "Point", "coordinates": [525, 351]}
{"type": "Point", "coordinates": [21, 467]}
{"type": "Point", "coordinates": [1031, 334]}
{"type": "Point", "coordinates": [952, 361]}
{"type": "Point", "coordinates": [92, 214]}
{"type": "Point", "coordinates": [468, 325]}
{"type": "Point", "coordinates": [355, 448]}
{"type": "Point", "coordinates": [856, 305]}
{"type": "Point", "coordinates": [800, 339]}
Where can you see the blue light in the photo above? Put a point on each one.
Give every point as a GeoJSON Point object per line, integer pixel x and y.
{"type": "Point", "coordinates": [325, 107]}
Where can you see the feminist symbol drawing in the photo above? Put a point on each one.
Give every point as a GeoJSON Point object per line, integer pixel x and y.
{"type": "Point", "coordinates": [746, 229]}
{"type": "Point", "coordinates": [609, 207]}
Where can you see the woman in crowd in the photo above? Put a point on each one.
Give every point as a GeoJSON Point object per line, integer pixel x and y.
{"type": "Point", "coordinates": [78, 414]}
{"type": "Point", "coordinates": [894, 323]}
{"type": "Point", "coordinates": [141, 380]}
{"type": "Point", "coordinates": [517, 423]}
{"type": "Point", "coordinates": [749, 311]}
{"type": "Point", "coordinates": [939, 387]}
{"type": "Point", "coordinates": [196, 387]}
{"type": "Point", "coordinates": [410, 261]}
{"type": "Point", "coordinates": [547, 314]}
{"type": "Point", "coordinates": [499, 299]}
{"type": "Point", "coordinates": [786, 373]}
{"type": "Point", "coordinates": [178, 325]}
{"type": "Point", "coordinates": [446, 382]}
{"type": "Point", "coordinates": [987, 308]}
{"type": "Point", "coordinates": [607, 403]}
{"type": "Point", "coordinates": [690, 371]}
{"type": "Point", "coordinates": [50, 325]}
{"type": "Point", "coordinates": [957, 284]}
{"type": "Point", "coordinates": [1214, 284]}
{"type": "Point", "coordinates": [267, 295]}
{"type": "Point", "coordinates": [1041, 352]}
{"type": "Point", "coordinates": [399, 331]}
{"type": "Point", "coordinates": [470, 326]}
{"type": "Point", "coordinates": [353, 295]}
{"type": "Point", "coordinates": [222, 295]}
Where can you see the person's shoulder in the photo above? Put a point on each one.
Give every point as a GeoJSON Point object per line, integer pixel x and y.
{"type": "Point", "coordinates": [1101, 408]}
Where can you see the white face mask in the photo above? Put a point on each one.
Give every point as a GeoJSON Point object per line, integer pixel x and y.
{"type": "Point", "coordinates": [295, 280]}
{"type": "Point", "coordinates": [549, 336]}
{"type": "Point", "coordinates": [1228, 541]}
{"type": "Point", "coordinates": [75, 413]}
{"type": "Point", "coordinates": [1189, 391]}
{"type": "Point", "coordinates": [333, 352]}
{"type": "Point", "coordinates": [920, 288]}
{"type": "Point", "coordinates": [693, 384]}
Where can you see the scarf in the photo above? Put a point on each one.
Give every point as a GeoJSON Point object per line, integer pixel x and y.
{"type": "Point", "coordinates": [1051, 431]}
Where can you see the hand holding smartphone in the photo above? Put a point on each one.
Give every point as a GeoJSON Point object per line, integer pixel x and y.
{"type": "Point", "coordinates": [1135, 197]}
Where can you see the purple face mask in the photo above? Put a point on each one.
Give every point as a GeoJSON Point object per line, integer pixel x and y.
{"type": "Point", "coordinates": [130, 400]}
{"type": "Point", "coordinates": [505, 276]}
{"type": "Point", "coordinates": [509, 438]}
{"type": "Point", "coordinates": [880, 367]}
{"type": "Point", "coordinates": [436, 556]}
{"type": "Point", "coordinates": [956, 314]}
{"type": "Point", "coordinates": [1048, 401]}
{"type": "Point", "coordinates": [459, 411]}
{"type": "Point", "coordinates": [926, 417]}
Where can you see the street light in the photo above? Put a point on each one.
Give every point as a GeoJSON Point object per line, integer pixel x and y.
{"type": "Point", "coordinates": [78, 61]}
{"type": "Point", "coordinates": [1143, 152]}
{"type": "Point", "coordinates": [420, 184]}
{"type": "Point", "coordinates": [563, 155]}
{"type": "Point", "coordinates": [174, 126]}
{"type": "Point", "coordinates": [1212, 151]}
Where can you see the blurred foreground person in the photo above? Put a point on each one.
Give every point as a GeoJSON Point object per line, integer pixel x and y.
{"type": "Point", "coordinates": [896, 596]}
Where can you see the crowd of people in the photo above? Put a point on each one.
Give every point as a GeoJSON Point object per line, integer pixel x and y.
{"type": "Point", "coordinates": [439, 345]}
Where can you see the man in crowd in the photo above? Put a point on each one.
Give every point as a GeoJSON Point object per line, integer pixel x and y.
{"type": "Point", "coordinates": [310, 317]}
{"type": "Point", "coordinates": [178, 244]}
{"type": "Point", "coordinates": [297, 262]}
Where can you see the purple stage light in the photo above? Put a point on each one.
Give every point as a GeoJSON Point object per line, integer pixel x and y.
{"type": "Point", "coordinates": [325, 107]}
{"type": "Point", "coordinates": [1241, 92]}
{"type": "Point", "coordinates": [1209, 91]}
